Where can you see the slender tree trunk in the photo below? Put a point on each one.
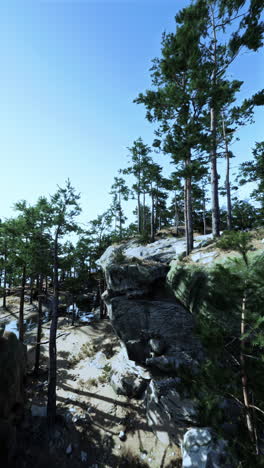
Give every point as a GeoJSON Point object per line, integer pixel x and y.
{"type": "Point", "coordinates": [213, 151]}
{"type": "Point", "coordinates": [152, 223]}
{"type": "Point", "coordinates": [52, 379]}
{"type": "Point", "coordinates": [21, 305]}
{"type": "Point", "coordinates": [46, 284]}
{"type": "Point", "coordinates": [188, 210]}
{"type": "Point", "coordinates": [120, 216]}
{"type": "Point", "coordinates": [189, 213]}
{"type": "Point", "coordinates": [4, 291]}
{"type": "Point", "coordinates": [31, 290]}
{"type": "Point", "coordinates": [176, 214]}
{"type": "Point", "coordinates": [39, 330]}
{"type": "Point", "coordinates": [204, 214]}
{"type": "Point", "coordinates": [249, 421]}
{"type": "Point", "coordinates": [186, 219]}
{"type": "Point", "coordinates": [139, 214]}
{"type": "Point", "coordinates": [143, 212]}
{"type": "Point", "coordinates": [227, 181]}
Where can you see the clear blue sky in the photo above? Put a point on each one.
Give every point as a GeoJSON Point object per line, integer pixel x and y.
{"type": "Point", "coordinates": [69, 73]}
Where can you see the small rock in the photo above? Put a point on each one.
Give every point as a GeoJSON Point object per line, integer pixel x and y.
{"type": "Point", "coordinates": [122, 436]}
{"type": "Point", "coordinates": [40, 411]}
{"type": "Point", "coordinates": [84, 456]}
{"type": "Point", "coordinates": [69, 449]}
{"type": "Point", "coordinates": [57, 434]}
{"type": "Point", "coordinates": [72, 410]}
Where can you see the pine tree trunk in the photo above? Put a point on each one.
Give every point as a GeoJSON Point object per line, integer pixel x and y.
{"type": "Point", "coordinates": [120, 216]}
{"type": "Point", "coordinates": [152, 223]}
{"type": "Point", "coordinates": [31, 290]}
{"type": "Point", "coordinates": [204, 215]}
{"type": "Point", "coordinates": [176, 215]}
{"type": "Point", "coordinates": [213, 151]}
{"type": "Point", "coordinates": [21, 305]}
{"type": "Point", "coordinates": [52, 379]}
{"type": "Point", "coordinates": [186, 219]}
{"type": "Point", "coordinates": [214, 179]}
{"type": "Point", "coordinates": [227, 181]}
{"type": "Point", "coordinates": [143, 213]}
{"type": "Point", "coordinates": [4, 291]}
{"type": "Point", "coordinates": [139, 214]}
{"type": "Point", "coordinates": [39, 330]}
{"type": "Point", "coordinates": [189, 213]}
{"type": "Point", "coordinates": [188, 209]}
{"type": "Point", "coordinates": [249, 421]}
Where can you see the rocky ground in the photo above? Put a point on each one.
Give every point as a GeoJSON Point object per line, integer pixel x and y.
{"type": "Point", "coordinates": [95, 426]}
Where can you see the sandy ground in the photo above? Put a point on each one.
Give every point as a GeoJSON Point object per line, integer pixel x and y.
{"type": "Point", "coordinates": [90, 414]}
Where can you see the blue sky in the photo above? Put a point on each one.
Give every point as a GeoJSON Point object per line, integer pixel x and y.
{"type": "Point", "coordinates": [69, 73]}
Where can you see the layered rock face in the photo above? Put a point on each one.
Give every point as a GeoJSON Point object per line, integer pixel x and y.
{"type": "Point", "coordinates": [12, 370]}
{"type": "Point", "coordinates": [155, 329]}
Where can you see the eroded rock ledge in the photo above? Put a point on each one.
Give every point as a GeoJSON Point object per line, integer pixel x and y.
{"type": "Point", "coordinates": [157, 332]}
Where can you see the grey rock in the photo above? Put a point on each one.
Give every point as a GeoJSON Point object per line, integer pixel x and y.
{"type": "Point", "coordinates": [84, 457]}
{"type": "Point", "coordinates": [69, 449]}
{"type": "Point", "coordinates": [163, 250]}
{"type": "Point", "coordinates": [169, 320]}
{"type": "Point", "coordinates": [133, 279]}
{"type": "Point", "coordinates": [40, 411]}
{"type": "Point", "coordinates": [170, 364]}
{"type": "Point", "coordinates": [157, 345]}
{"type": "Point", "coordinates": [168, 413]}
{"type": "Point", "coordinates": [201, 449]}
{"type": "Point", "coordinates": [122, 436]}
{"type": "Point", "coordinates": [127, 378]}
{"type": "Point", "coordinates": [99, 361]}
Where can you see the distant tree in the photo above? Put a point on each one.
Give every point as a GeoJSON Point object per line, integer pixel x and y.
{"type": "Point", "coordinates": [64, 209]}
{"type": "Point", "coordinates": [253, 171]}
{"type": "Point", "coordinates": [245, 215]}
{"type": "Point", "coordinates": [120, 192]}
{"type": "Point", "coordinates": [139, 159]}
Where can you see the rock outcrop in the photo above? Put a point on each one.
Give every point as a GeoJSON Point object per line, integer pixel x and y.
{"type": "Point", "coordinates": [156, 330]}
{"type": "Point", "coordinates": [201, 448]}
{"type": "Point", "coordinates": [127, 378]}
{"type": "Point", "coordinates": [154, 327]}
{"type": "Point", "coordinates": [12, 370]}
{"type": "Point", "coordinates": [168, 412]}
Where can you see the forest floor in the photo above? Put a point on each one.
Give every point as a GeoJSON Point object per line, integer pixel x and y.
{"type": "Point", "coordinates": [90, 414]}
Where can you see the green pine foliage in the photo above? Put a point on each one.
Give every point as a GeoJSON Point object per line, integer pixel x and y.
{"type": "Point", "coordinates": [214, 295]}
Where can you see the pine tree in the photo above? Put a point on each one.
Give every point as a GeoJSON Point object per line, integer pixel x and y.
{"type": "Point", "coordinates": [139, 158]}
{"type": "Point", "coordinates": [177, 104]}
{"type": "Point", "coordinates": [120, 193]}
{"type": "Point", "coordinates": [64, 209]}
{"type": "Point", "coordinates": [253, 171]}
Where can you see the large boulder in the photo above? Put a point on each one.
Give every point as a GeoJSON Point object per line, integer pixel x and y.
{"type": "Point", "coordinates": [168, 412]}
{"type": "Point", "coordinates": [138, 322]}
{"type": "Point", "coordinates": [12, 370]}
{"type": "Point", "coordinates": [201, 449]}
{"type": "Point", "coordinates": [127, 378]}
{"type": "Point", "coordinates": [162, 251]}
{"type": "Point", "coordinates": [133, 277]}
